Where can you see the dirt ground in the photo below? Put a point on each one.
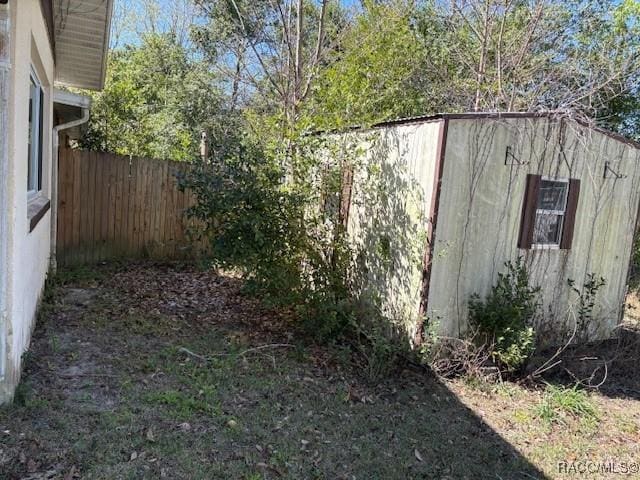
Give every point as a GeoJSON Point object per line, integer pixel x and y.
{"type": "Point", "coordinates": [167, 371]}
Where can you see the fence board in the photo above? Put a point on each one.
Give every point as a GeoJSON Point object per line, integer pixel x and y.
{"type": "Point", "coordinates": [112, 206]}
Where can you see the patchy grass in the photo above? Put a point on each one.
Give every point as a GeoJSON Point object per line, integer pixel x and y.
{"type": "Point", "coordinates": [167, 371]}
{"type": "Point", "coordinates": [562, 430]}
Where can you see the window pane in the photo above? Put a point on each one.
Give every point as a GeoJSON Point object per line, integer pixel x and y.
{"type": "Point", "coordinates": [553, 195]}
{"type": "Point", "coordinates": [547, 229]}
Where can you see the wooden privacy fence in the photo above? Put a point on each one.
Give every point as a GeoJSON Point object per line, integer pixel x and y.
{"type": "Point", "coordinates": [112, 206]}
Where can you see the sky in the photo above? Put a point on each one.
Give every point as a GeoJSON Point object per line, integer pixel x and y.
{"type": "Point", "coordinates": [131, 18]}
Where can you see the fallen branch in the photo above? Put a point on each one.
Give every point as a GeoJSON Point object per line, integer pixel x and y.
{"type": "Point", "coordinates": [195, 355]}
{"type": "Point", "coordinates": [244, 352]}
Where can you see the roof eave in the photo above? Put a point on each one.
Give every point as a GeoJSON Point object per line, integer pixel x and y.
{"type": "Point", "coordinates": [82, 43]}
{"type": "Point", "coordinates": [73, 99]}
{"type": "Point", "coordinates": [107, 39]}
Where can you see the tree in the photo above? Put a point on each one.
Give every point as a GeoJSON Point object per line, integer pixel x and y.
{"type": "Point", "coordinates": [404, 58]}
{"type": "Point", "coordinates": [523, 55]}
{"type": "Point", "coordinates": [156, 102]}
{"type": "Point", "coordinates": [376, 73]}
{"type": "Point", "coordinates": [269, 51]}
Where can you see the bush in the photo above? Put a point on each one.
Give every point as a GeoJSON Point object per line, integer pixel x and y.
{"type": "Point", "coordinates": [253, 222]}
{"type": "Point", "coordinates": [504, 319]}
{"type": "Point", "coordinates": [258, 208]}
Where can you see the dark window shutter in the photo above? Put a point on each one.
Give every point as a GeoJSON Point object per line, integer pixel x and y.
{"type": "Point", "coordinates": [528, 219]}
{"type": "Point", "coordinates": [570, 215]}
{"type": "Point", "coordinates": [345, 195]}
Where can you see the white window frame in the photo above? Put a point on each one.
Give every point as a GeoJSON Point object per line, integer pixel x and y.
{"type": "Point", "coordinates": [36, 146]}
{"type": "Point", "coordinates": [563, 213]}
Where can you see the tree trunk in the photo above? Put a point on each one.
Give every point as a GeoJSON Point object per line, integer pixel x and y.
{"type": "Point", "coordinates": [298, 63]}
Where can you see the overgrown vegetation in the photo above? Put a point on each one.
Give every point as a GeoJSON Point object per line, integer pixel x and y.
{"type": "Point", "coordinates": [156, 102]}
{"type": "Point", "coordinates": [279, 224]}
{"type": "Point", "coordinates": [504, 319]}
{"type": "Point", "coordinates": [586, 302]}
{"type": "Point", "coordinates": [257, 77]}
{"type": "Point", "coordinates": [179, 68]}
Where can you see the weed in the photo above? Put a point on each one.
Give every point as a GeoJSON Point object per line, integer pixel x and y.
{"type": "Point", "coordinates": [560, 403]}
{"type": "Point", "coordinates": [626, 425]}
{"type": "Point", "coordinates": [586, 302]}
{"type": "Point", "coordinates": [184, 406]}
{"type": "Point", "coordinates": [79, 275]}
{"type": "Point", "coordinates": [55, 344]}
{"type": "Point", "coordinates": [26, 396]}
{"type": "Point", "coordinates": [505, 389]}
{"type": "Point", "coordinates": [521, 417]}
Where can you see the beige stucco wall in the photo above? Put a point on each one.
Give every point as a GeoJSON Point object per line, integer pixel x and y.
{"type": "Point", "coordinates": [389, 215]}
{"type": "Point", "coordinates": [26, 265]}
{"type": "Point", "coordinates": [480, 212]}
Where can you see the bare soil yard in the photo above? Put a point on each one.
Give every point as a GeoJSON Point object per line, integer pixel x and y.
{"type": "Point", "coordinates": [167, 371]}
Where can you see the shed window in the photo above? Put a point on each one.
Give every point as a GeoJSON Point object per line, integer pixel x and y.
{"type": "Point", "coordinates": [549, 212]}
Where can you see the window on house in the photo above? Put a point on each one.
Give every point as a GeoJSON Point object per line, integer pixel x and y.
{"type": "Point", "coordinates": [549, 212]}
{"type": "Point", "coordinates": [34, 153]}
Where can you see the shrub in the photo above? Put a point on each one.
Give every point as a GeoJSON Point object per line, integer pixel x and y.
{"type": "Point", "coordinates": [253, 222]}
{"type": "Point", "coordinates": [274, 217]}
{"type": "Point", "coordinates": [504, 319]}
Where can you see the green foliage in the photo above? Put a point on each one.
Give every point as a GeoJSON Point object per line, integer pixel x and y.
{"type": "Point", "coordinates": [558, 403]}
{"type": "Point", "coordinates": [272, 230]}
{"type": "Point", "coordinates": [258, 194]}
{"type": "Point", "coordinates": [384, 60]}
{"type": "Point", "coordinates": [278, 223]}
{"type": "Point", "coordinates": [253, 220]}
{"type": "Point", "coordinates": [634, 273]}
{"type": "Point", "coordinates": [505, 317]}
{"type": "Point", "coordinates": [156, 102]}
{"type": "Point", "coordinates": [375, 74]}
{"type": "Point", "coordinates": [380, 351]}
{"type": "Point", "coordinates": [586, 301]}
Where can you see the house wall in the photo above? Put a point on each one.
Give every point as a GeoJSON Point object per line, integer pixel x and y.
{"type": "Point", "coordinates": [27, 253]}
{"type": "Point", "coordinates": [480, 212]}
{"type": "Point", "coordinates": [389, 216]}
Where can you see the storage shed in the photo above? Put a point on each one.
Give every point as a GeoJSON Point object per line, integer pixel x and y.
{"type": "Point", "coordinates": [436, 205]}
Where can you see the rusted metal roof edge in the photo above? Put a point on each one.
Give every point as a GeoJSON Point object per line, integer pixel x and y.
{"type": "Point", "coordinates": [489, 116]}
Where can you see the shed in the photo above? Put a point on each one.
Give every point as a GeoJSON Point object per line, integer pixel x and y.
{"type": "Point", "coordinates": [438, 204]}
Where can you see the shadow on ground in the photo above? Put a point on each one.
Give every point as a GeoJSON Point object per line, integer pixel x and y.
{"type": "Point", "coordinates": [610, 366]}
{"type": "Point", "coordinates": [152, 371]}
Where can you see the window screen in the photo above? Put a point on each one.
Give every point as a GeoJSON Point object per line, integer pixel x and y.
{"type": "Point", "coordinates": [550, 212]}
